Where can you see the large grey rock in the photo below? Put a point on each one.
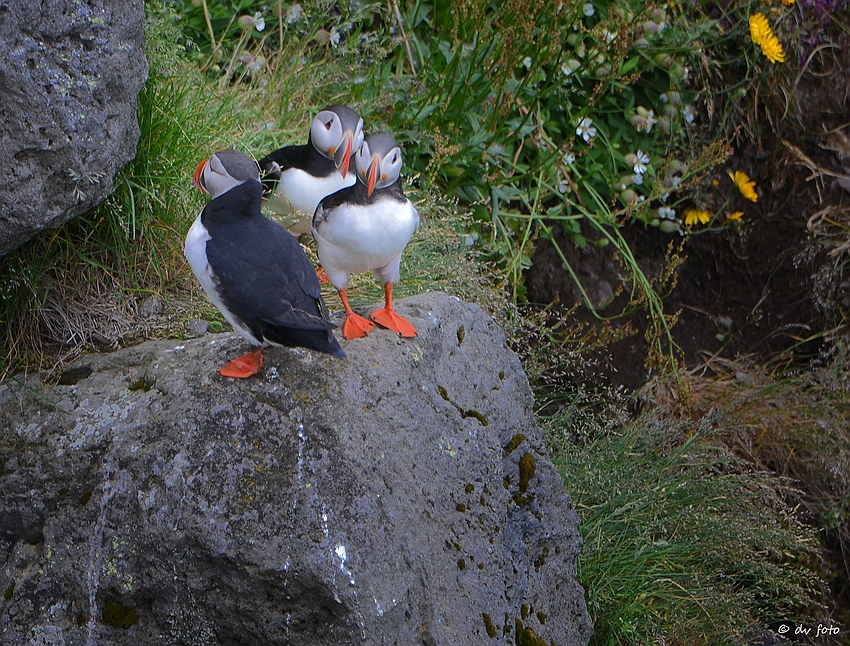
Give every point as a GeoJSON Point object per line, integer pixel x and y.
{"type": "Point", "coordinates": [400, 496]}
{"type": "Point", "coordinates": [70, 75]}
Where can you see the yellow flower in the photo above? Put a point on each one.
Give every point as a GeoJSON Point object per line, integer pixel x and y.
{"type": "Point", "coordinates": [787, 2]}
{"type": "Point", "coordinates": [759, 28]}
{"type": "Point", "coordinates": [773, 50]}
{"type": "Point", "coordinates": [745, 185]}
{"type": "Point", "coordinates": [762, 35]}
{"type": "Point", "coordinates": [692, 216]}
{"type": "Point", "coordinates": [736, 216]}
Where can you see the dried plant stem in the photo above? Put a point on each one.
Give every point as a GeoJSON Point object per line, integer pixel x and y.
{"type": "Point", "coordinates": [394, 9]}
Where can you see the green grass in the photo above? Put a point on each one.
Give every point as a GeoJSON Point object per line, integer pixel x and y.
{"type": "Point", "coordinates": [683, 543]}
{"type": "Point", "coordinates": [687, 538]}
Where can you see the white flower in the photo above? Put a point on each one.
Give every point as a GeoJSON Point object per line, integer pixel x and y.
{"type": "Point", "coordinates": [563, 185]}
{"type": "Point", "coordinates": [526, 62]}
{"type": "Point", "coordinates": [640, 163]}
{"type": "Point", "coordinates": [570, 66]}
{"type": "Point", "coordinates": [294, 13]}
{"type": "Point", "coordinates": [643, 119]}
{"type": "Point", "coordinates": [637, 178]}
{"type": "Point", "coordinates": [259, 21]}
{"type": "Point", "coordinates": [588, 10]}
{"type": "Point", "coordinates": [569, 159]}
{"type": "Point", "coordinates": [586, 130]}
{"type": "Point", "coordinates": [690, 113]}
{"type": "Point", "coordinates": [666, 213]}
{"type": "Point", "coordinates": [334, 37]}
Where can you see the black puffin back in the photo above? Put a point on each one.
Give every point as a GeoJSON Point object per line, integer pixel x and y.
{"type": "Point", "coordinates": [305, 158]}
{"type": "Point", "coordinates": [264, 277]}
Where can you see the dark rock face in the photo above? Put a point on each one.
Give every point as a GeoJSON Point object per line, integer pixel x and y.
{"type": "Point", "coordinates": [400, 496]}
{"type": "Point", "coordinates": [70, 75]}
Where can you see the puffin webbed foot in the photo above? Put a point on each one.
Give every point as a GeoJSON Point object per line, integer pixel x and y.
{"type": "Point", "coordinates": [388, 318]}
{"type": "Point", "coordinates": [243, 367]}
{"type": "Point", "coordinates": [356, 327]}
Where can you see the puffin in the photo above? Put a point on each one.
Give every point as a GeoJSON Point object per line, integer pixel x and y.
{"type": "Point", "coordinates": [366, 228]}
{"type": "Point", "coordinates": [252, 269]}
{"type": "Point", "coordinates": [296, 178]}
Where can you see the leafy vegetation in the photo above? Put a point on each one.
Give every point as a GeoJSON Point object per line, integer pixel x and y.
{"type": "Point", "coordinates": [518, 120]}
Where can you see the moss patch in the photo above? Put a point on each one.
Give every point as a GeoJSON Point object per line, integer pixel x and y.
{"type": "Point", "coordinates": [527, 469]}
{"type": "Point", "coordinates": [119, 616]}
{"type": "Point", "coordinates": [516, 440]}
{"type": "Point", "coordinates": [488, 625]}
{"type": "Point", "coordinates": [142, 384]}
{"type": "Point", "coordinates": [525, 636]}
{"type": "Point", "coordinates": [474, 413]}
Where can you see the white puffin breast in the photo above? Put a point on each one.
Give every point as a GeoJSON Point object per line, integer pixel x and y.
{"type": "Point", "coordinates": [355, 239]}
{"type": "Point", "coordinates": [196, 254]}
{"type": "Point", "coordinates": [299, 191]}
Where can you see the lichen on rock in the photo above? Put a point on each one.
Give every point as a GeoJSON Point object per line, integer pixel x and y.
{"type": "Point", "coordinates": [317, 503]}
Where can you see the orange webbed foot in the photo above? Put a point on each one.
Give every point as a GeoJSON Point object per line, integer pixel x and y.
{"type": "Point", "coordinates": [389, 319]}
{"type": "Point", "coordinates": [243, 367]}
{"type": "Point", "coordinates": [356, 327]}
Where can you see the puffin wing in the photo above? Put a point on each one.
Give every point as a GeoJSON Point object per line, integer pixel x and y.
{"type": "Point", "coordinates": [278, 161]}
{"type": "Point", "coordinates": [330, 204]}
{"type": "Point", "coordinates": [266, 276]}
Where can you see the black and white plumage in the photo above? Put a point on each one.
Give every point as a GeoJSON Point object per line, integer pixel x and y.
{"type": "Point", "coordinates": [366, 228]}
{"type": "Point", "coordinates": [255, 273]}
{"type": "Point", "coordinates": [296, 178]}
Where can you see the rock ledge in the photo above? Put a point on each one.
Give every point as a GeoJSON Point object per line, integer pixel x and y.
{"type": "Point", "coordinates": [400, 496]}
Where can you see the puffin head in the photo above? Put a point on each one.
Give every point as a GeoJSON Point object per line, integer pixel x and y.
{"type": "Point", "coordinates": [378, 162]}
{"type": "Point", "coordinates": [224, 170]}
{"type": "Point", "coordinates": [337, 132]}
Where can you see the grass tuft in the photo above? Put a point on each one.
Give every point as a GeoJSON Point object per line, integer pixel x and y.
{"type": "Point", "coordinates": [683, 543]}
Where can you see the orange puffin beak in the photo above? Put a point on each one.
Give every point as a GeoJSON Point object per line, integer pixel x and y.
{"type": "Point", "coordinates": [342, 155]}
{"type": "Point", "coordinates": [198, 177]}
{"type": "Point", "coordinates": [373, 175]}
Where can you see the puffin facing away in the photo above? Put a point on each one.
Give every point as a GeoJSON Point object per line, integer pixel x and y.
{"type": "Point", "coordinates": [366, 228]}
{"type": "Point", "coordinates": [296, 178]}
{"type": "Point", "coordinates": [253, 271]}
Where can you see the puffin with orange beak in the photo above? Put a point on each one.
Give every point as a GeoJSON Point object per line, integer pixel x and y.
{"type": "Point", "coordinates": [366, 228]}
{"type": "Point", "coordinates": [296, 178]}
{"type": "Point", "coordinates": [253, 271]}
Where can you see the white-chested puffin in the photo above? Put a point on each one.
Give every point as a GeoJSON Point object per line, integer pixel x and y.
{"type": "Point", "coordinates": [255, 273]}
{"type": "Point", "coordinates": [296, 178]}
{"type": "Point", "coordinates": [366, 228]}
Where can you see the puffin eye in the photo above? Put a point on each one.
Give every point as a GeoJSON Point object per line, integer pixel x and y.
{"type": "Point", "coordinates": [329, 124]}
